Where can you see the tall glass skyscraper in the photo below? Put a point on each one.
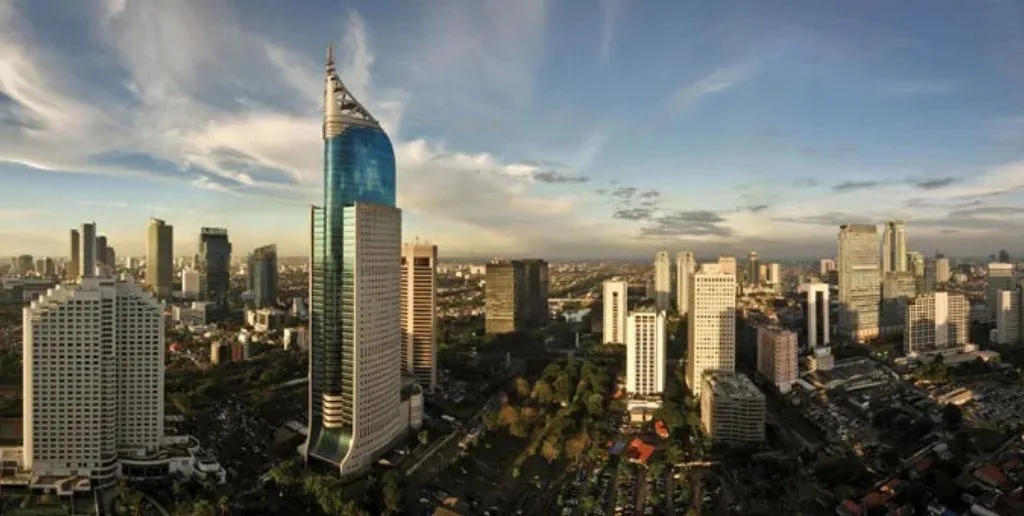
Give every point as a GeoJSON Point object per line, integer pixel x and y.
{"type": "Point", "coordinates": [215, 265]}
{"type": "Point", "coordinates": [355, 285]}
{"type": "Point", "coordinates": [263, 275]}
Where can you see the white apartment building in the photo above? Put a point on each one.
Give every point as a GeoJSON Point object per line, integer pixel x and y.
{"type": "Point", "coordinates": [662, 280]}
{"type": "Point", "coordinates": [942, 271]}
{"type": "Point", "coordinates": [1008, 317]}
{"type": "Point", "coordinates": [614, 297]}
{"type": "Point", "coordinates": [645, 353]}
{"type": "Point", "coordinates": [825, 266]}
{"type": "Point", "coordinates": [190, 283]}
{"type": "Point", "coordinates": [1000, 277]}
{"type": "Point", "coordinates": [686, 265]}
{"type": "Point", "coordinates": [94, 379]}
{"type": "Point", "coordinates": [776, 356]}
{"type": "Point", "coordinates": [419, 313]}
{"type": "Point", "coordinates": [712, 324]}
{"type": "Point", "coordinates": [936, 322]}
{"type": "Point", "coordinates": [774, 274]}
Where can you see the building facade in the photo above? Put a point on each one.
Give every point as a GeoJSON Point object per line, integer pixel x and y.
{"type": "Point", "coordinates": [515, 295]}
{"type": "Point", "coordinates": [614, 295]}
{"type": "Point", "coordinates": [936, 322]}
{"type": "Point", "coordinates": [262, 275]}
{"type": "Point", "coordinates": [1008, 317]}
{"type": "Point", "coordinates": [71, 271]}
{"type": "Point", "coordinates": [160, 257]}
{"type": "Point", "coordinates": [191, 283]}
{"type": "Point", "coordinates": [662, 280]}
{"type": "Point", "coordinates": [753, 269]}
{"type": "Point", "coordinates": [686, 265]}
{"type": "Point", "coordinates": [859, 277]}
{"type": "Point", "coordinates": [941, 273]}
{"type": "Point", "coordinates": [645, 353]}
{"type": "Point", "coordinates": [776, 356]}
{"type": "Point", "coordinates": [732, 409]}
{"type": "Point", "coordinates": [355, 291]}
{"type": "Point", "coordinates": [818, 328]}
{"type": "Point", "coordinates": [898, 288]}
{"type": "Point", "coordinates": [894, 247]}
{"type": "Point", "coordinates": [1000, 277]}
{"type": "Point", "coordinates": [712, 324]}
{"type": "Point", "coordinates": [214, 264]}
{"type": "Point", "coordinates": [419, 313]}
{"type": "Point", "coordinates": [87, 254]}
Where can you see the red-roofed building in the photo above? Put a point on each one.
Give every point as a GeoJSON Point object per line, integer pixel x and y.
{"type": "Point", "coordinates": [639, 451]}
{"type": "Point", "coordinates": [990, 475]}
{"type": "Point", "coordinates": [849, 508]}
{"type": "Point", "coordinates": [661, 429]}
{"type": "Point", "coordinates": [874, 499]}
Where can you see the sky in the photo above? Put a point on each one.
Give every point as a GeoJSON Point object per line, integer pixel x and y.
{"type": "Point", "coordinates": [565, 130]}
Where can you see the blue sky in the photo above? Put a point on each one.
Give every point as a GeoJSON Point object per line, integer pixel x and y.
{"type": "Point", "coordinates": [569, 129]}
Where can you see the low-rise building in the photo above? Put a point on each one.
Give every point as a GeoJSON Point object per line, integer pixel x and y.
{"type": "Point", "coordinates": [732, 408]}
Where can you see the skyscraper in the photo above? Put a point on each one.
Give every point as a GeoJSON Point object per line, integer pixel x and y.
{"type": "Point", "coordinates": [817, 315]}
{"type": "Point", "coordinates": [535, 281]}
{"type": "Point", "coordinates": [1008, 316]}
{"type": "Point", "coordinates": [160, 257]}
{"type": "Point", "coordinates": [645, 352]}
{"type": "Point", "coordinates": [214, 265]}
{"type": "Point", "coordinates": [859, 279]}
{"type": "Point", "coordinates": [686, 265]}
{"type": "Point", "coordinates": [898, 290]}
{"type": "Point", "coordinates": [1000, 277]}
{"type": "Point", "coordinates": [262, 273]}
{"type": "Point", "coordinates": [712, 326]}
{"type": "Point", "coordinates": [72, 271]}
{"type": "Point", "coordinates": [776, 356]}
{"type": "Point", "coordinates": [101, 250]}
{"type": "Point", "coordinates": [110, 397]}
{"type": "Point", "coordinates": [87, 256]}
{"type": "Point", "coordinates": [419, 312]}
{"type": "Point", "coordinates": [936, 322]}
{"type": "Point", "coordinates": [503, 292]}
{"type": "Point", "coordinates": [941, 273]}
{"type": "Point", "coordinates": [753, 268]}
{"type": "Point", "coordinates": [894, 247]}
{"type": "Point", "coordinates": [614, 299]}
{"type": "Point", "coordinates": [662, 280]}
{"type": "Point", "coordinates": [355, 290]}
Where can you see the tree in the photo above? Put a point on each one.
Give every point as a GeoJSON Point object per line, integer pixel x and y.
{"type": "Point", "coordinates": [952, 416]}
{"type": "Point", "coordinates": [595, 405]}
{"type": "Point", "coordinates": [522, 387]}
{"type": "Point", "coordinates": [424, 436]}
{"type": "Point", "coordinates": [542, 392]}
{"type": "Point", "coordinates": [674, 454]}
{"type": "Point", "coordinates": [391, 493]}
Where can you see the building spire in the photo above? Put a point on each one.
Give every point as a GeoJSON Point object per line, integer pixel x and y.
{"type": "Point", "coordinates": [330, 55]}
{"type": "Point", "coordinates": [340, 106]}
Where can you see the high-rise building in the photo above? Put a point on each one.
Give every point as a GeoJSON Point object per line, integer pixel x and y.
{"type": "Point", "coordinates": [776, 356]}
{"type": "Point", "coordinates": [1004, 257]}
{"type": "Point", "coordinates": [355, 291]}
{"type": "Point", "coordinates": [191, 283]}
{"type": "Point", "coordinates": [662, 280]}
{"type": "Point", "coordinates": [732, 408]}
{"type": "Point", "coordinates": [535, 281]}
{"type": "Point", "coordinates": [686, 265]}
{"type": "Point", "coordinates": [101, 250]}
{"type": "Point", "coordinates": [49, 267]}
{"type": "Point", "coordinates": [817, 315]}
{"type": "Point", "coordinates": [26, 264]}
{"type": "Point", "coordinates": [859, 278]}
{"type": "Point", "coordinates": [894, 247]}
{"type": "Point", "coordinates": [773, 277]}
{"type": "Point", "coordinates": [936, 322]}
{"type": "Point", "coordinates": [728, 265]}
{"type": "Point", "coordinates": [712, 324]}
{"type": "Point", "coordinates": [645, 353]}
{"type": "Point", "coordinates": [941, 272]}
{"type": "Point", "coordinates": [1008, 317]}
{"type": "Point", "coordinates": [160, 257]}
{"type": "Point", "coordinates": [929, 282]}
{"type": "Point", "coordinates": [419, 312]}
{"type": "Point", "coordinates": [87, 256]}
{"type": "Point", "coordinates": [109, 400]}
{"type": "Point", "coordinates": [71, 271]}
{"type": "Point", "coordinates": [111, 259]}
{"type": "Point", "coordinates": [1000, 277]}
{"type": "Point", "coordinates": [826, 265]}
{"type": "Point", "coordinates": [614, 295]}
{"type": "Point", "coordinates": [898, 288]}
{"type": "Point", "coordinates": [515, 295]}
{"type": "Point", "coordinates": [262, 272]}
{"type": "Point", "coordinates": [915, 263]}
{"type": "Point", "coordinates": [214, 260]}
{"type": "Point", "coordinates": [753, 268]}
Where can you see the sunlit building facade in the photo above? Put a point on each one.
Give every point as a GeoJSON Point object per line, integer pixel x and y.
{"type": "Point", "coordinates": [614, 299]}
{"type": "Point", "coordinates": [859, 281]}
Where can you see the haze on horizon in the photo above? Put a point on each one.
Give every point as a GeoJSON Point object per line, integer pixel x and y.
{"type": "Point", "coordinates": [605, 129]}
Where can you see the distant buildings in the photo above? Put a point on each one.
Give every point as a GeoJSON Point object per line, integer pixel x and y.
{"type": "Point", "coordinates": [859, 275]}
{"type": "Point", "coordinates": [753, 269]}
{"type": "Point", "coordinates": [686, 265]}
{"type": "Point", "coordinates": [1008, 317]}
{"type": "Point", "coordinates": [773, 278]}
{"type": "Point", "coordinates": [826, 266]}
{"type": "Point", "coordinates": [515, 295]}
{"type": "Point", "coordinates": [1000, 277]}
{"type": "Point", "coordinates": [160, 257]}
{"type": "Point", "coordinates": [728, 265]}
{"type": "Point", "coordinates": [614, 294]}
{"type": "Point", "coordinates": [732, 409]}
{"type": "Point", "coordinates": [936, 322]}
{"type": "Point", "coordinates": [214, 264]}
{"type": "Point", "coordinates": [712, 324]}
{"type": "Point", "coordinates": [898, 288]}
{"type": "Point", "coordinates": [419, 313]}
{"type": "Point", "coordinates": [662, 280]}
{"type": "Point", "coordinates": [191, 283]}
{"type": "Point", "coordinates": [645, 353]}
{"type": "Point", "coordinates": [776, 356]}
{"type": "Point", "coordinates": [262, 275]}
{"type": "Point", "coordinates": [894, 247]}
{"type": "Point", "coordinates": [941, 272]}
{"type": "Point", "coordinates": [87, 254]}
{"type": "Point", "coordinates": [71, 272]}
{"type": "Point", "coordinates": [818, 315]}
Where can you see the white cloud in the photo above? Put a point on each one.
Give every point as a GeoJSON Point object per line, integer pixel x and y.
{"type": "Point", "coordinates": [719, 80]}
{"type": "Point", "coordinates": [609, 14]}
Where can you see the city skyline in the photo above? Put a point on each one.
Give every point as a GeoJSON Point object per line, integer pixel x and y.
{"type": "Point", "coordinates": [716, 144]}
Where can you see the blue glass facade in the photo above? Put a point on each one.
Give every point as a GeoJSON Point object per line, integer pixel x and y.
{"type": "Point", "coordinates": [359, 166]}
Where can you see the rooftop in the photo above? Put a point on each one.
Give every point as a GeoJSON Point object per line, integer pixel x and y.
{"type": "Point", "coordinates": [733, 386]}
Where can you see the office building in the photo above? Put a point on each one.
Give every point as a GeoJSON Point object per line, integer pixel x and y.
{"type": "Point", "coordinates": [214, 264]}
{"type": "Point", "coordinates": [24, 264]}
{"type": "Point", "coordinates": [929, 282]}
{"type": "Point", "coordinates": [1008, 317]}
{"type": "Point", "coordinates": [773, 277]}
{"type": "Point", "coordinates": [1000, 277]}
{"type": "Point", "coordinates": [753, 269]}
{"type": "Point", "coordinates": [160, 257]}
{"type": "Point", "coordinates": [101, 250]}
{"type": "Point", "coordinates": [898, 288]}
{"type": "Point", "coordinates": [686, 265]}
{"type": "Point", "coordinates": [87, 254]}
{"type": "Point", "coordinates": [515, 295]}
{"type": "Point", "coordinates": [712, 324]}
{"type": "Point", "coordinates": [776, 356]}
{"type": "Point", "coordinates": [71, 271]}
{"type": "Point", "coordinates": [662, 280]}
{"type": "Point", "coordinates": [645, 353]}
{"type": "Point", "coordinates": [191, 284]}
{"type": "Point", "coordinates": [535, 298]}
{"type": "Point", "coordinates": [96, 396]}
{"type": "Point", "coordinates": [826, 265]}
{"type": "Point", "coordinates": [355, 291]}
{"type": "Point", "coordinates": [614, 296]}
{"type": "Point", "coordinates": [728, 265]}
{"type": "Point", "coordinates": [937, 322]}
{"type": "Point", "coordinates": [111, 259]}
{"type": "Point", "coordinates": [732, 408]}
{"type": "Point", "coordinates": [262, 275]}
{"type": "Point", "coordinates": [859, 277]}
{"type": "Point", "coordinates": [419, 313]}
{"type": "Point", "coordinates": [817, 315]}
{"type": "Point", "coordinates": [941, 273]}
{"type": "Point", "coordinates": [894, 247]}
{"type": "Point", "coordinates": [915, 263]}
